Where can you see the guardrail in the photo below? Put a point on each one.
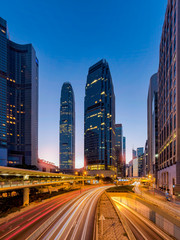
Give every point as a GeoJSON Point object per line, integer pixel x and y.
{"type": "Point", "coordinates": [22, 184]}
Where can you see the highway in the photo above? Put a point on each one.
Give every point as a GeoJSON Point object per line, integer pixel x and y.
{"type": "Point", "coordinates": [142, 230]}
{"type": "Point", "coordinates": [74, 218]}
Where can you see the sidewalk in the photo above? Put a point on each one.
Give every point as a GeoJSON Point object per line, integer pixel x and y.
{"type": "Point", "coordinates": [158, 198]}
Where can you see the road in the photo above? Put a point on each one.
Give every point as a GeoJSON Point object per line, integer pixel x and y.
{"type": "Point", "coordinates": [141, 230]}
{"type": "Point", "coordinates": [75, 218]}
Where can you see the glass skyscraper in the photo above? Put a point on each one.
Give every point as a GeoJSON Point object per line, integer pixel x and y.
{"type": "Point", "coordinates": [19, 101]}
{"type": "Point", "coordinates": [99, 119]}
{"type": "Point", "coordinates": [3, 92]}
{"type": "Point", "coordinates": [152, 123]}
{"type": "Point", "coordinates": [124, 155]}
{"type": "Point", "coordinates": [119, 149]}
{"type": "Point", "coordinates": [67, 128]}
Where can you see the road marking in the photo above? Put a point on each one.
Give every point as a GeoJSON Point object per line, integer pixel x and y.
{"type": "Point", "coordinates": [71, 216]}
{"type": "Point", "coordinates": [83, 237]}
{"type": "Point", "coordinates": [135, 226]}
{"type": "Point", "coordinates": [34, 216]}
{"type": "Point", "coordinates": [9, 232]}
{"type": "Point", "coordinates": [79, 221]}
{"type": "Point", "coordinates": [156, 229]}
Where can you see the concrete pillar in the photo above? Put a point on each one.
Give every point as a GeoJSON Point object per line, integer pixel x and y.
{"type": "Point", "coordinates": [82, 182]}
{"type": "Point", "coordinates": [91, 181]}
{"type": "Point", "coordinates": [26, 196]}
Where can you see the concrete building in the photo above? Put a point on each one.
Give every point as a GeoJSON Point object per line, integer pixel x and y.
{"type": "Point", "coordinates": [152, 125]}
{"type": "Point", "coordinates": [46, 166]}
{"type": "Point", "coordinates": [19, 102]}
{"type": "Point", "coordinates": [99, 119]}
{"type": "Point", "coordinates": [169, 102]}
{"type": "Point", "coordinates": [67, 128]}
{"type": "Point", "coordinates": [130, 172]}
{"type": "Point", "coordinates": [138, 166]}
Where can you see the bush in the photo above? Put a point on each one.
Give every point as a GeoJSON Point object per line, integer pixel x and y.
{"type": "Point", "coordinates": [127, 188]}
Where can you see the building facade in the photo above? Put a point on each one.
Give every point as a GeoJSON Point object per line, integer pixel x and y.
{"type": "Point", "coordinates": [99, 119]}
{"type": "Point", "coordinates": [119, 150]}
{"type": "Point", "coordinates": [134, 154]}
{"type": "Point", "coordinates": [67, 128]}
{"type": "Point", "coordinates": [140, 151]}
{"type": "Point", "coordinates": [3, 92]}
{"type": "Point", "coordinates": [169, 102]}
{"type": "Point", "coordinates": [124, 155]}
{"type": "Point", "coordinates": [20, 86]}
{"type": "Point", "coordinates": [152, 125]}
{"type": "Point", "coordinates": [145, 160]}
{"type": "Point", "coordinates": [138, 166]}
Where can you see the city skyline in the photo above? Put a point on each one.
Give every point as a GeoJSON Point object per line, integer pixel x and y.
{"type": "Point", "coordinates": [146, 51]}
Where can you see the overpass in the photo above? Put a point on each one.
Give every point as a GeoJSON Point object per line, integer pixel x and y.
{"type": "Point", "coordinates": [30, 179]}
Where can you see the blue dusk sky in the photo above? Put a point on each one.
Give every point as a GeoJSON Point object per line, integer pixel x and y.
{"type": "Point", "coordinates": [69, 37]}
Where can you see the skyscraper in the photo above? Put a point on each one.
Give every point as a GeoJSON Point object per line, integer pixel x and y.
{"type": "Point", "coordinates": [19, 84]}
{"type": "Point", "coordinates": [119, 149]}
{"type": "Point", "coordinates": [124, 155]}
{"type": "Point", "coordinates": [99, 118]}
{"type": "Point", "coordinates": [152, 125]}
{"type": "Point", "coordinates": [3, 92]}
{"type": "Point", "coordinates": [140, 151]}
{"type": "Point", "coordinates": [67, 128]}
{"type": "Point", "coordinates": [134, 154]}
{"type": "Point", "coordinates": [169, 101]}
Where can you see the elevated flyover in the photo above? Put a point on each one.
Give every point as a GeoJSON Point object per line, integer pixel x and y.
{"type": "Point", "coordinates": [31, 178]}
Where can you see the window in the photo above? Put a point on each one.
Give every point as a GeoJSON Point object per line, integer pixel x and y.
{"type": "Point", "coordinates": [175, 69]}
{"type": "Point", "coordinates": [174, 44]}
{"type": "Point", "coordinates": [175, 18]}
{"type": "Point", "coordinates": [170, 123]}
{"type": "Point", "coordinates": [174, 147]}
{"type": "Point", "coordinates": [174, 95]}
{"type": "Point", "coordinates": [175, 121]}
{"type": "Point", "coordinates": [170, 150]}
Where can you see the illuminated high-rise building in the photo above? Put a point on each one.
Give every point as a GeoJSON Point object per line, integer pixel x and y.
{"type": "Point", "coordinates": [99, 119]}
{"type": "Point", "coordinates": [168, 172]}
{"type": "Point", "coordinates": [19, 101]}
{"type": "Point", "coordinates": [67, 128]}
{"type": "Point", "coordinates": [3, 92]}
{"type": "Point", "coordinates": [124, 155]}
{"type": "Point", "coordinates": [119, 149]}
{"type": "Point", "coordinates": [152, 125]}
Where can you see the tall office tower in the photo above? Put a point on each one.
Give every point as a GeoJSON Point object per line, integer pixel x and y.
{"type": "Point", "coordinates": [152, 125]}
{"type": "Point", "coordinates": [3, 92]}
{"type": "Point", "coordinates": [145, 160]}
{"type": "Point", "coordinates": [140, 151]}
{"type": "Point", "coordinates": [99, 119]}
{"type": "Point", "coordinates": [169, 101]}
{"type": "Point", "coordinates": [67, 128]}
{"type": "Point", "coordinates": [119, 150]}
{"type": "Point", "coordinates": [134, 154]}
{"type": "Point", "coordinates": [21, 86]}
{"type": "Point", "coordinates": [124, 155]}
{"type": "Point", "coordinates": [138, 166]}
